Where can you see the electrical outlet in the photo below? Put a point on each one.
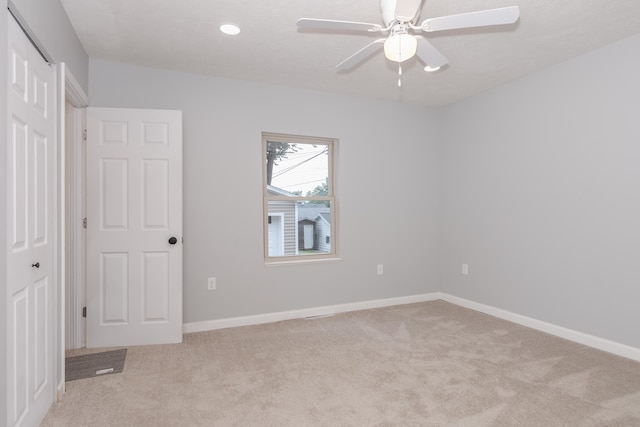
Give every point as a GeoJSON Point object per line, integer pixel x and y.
{"type": "Point", "coordinates": [380, 269]}
{"type": "Point", "coordinates": [211, 284]}
{"type": "Point", "coordinates": [465, 269]}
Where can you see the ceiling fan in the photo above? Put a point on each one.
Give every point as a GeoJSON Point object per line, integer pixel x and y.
{"type": "Point", "coordinates": [404, 40]}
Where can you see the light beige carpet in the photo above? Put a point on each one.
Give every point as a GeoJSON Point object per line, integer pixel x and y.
{"type": "Point", "coordinates": [427, 364]}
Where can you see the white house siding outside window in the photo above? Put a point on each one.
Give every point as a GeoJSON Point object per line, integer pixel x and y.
{"type": "Point", "coordinates": [299, 198]}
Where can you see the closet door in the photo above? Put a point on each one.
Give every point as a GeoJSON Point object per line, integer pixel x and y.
{"type": "Point", "coordinates": [30, 232]}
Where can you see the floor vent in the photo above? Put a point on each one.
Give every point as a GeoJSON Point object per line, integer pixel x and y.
{"type": "Point", "coordinates": [319, 316]}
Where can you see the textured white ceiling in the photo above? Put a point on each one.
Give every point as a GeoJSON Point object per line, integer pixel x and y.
{"type": "Point", "coordinates": [183, 35]}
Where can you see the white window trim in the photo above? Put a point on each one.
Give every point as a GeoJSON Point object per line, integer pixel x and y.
{"type": "Point", "coordinates": [307, 258]}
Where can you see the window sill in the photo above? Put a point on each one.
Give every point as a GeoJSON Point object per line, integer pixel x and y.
{"type": "Point", "coordinates": [300, 261]}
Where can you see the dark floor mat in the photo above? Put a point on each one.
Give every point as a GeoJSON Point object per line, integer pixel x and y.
{"type": "Point", "coordinates": [94, 365]}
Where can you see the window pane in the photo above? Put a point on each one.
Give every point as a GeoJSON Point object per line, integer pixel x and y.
{"type": "Point", "coordinates": [298, 227]}
{"type": "Point", "coordinates": [299, 197]}
{"type": "Point", "coordinates": [297, 169]}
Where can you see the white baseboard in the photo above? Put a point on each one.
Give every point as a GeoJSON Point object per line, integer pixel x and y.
{"type": "Point", "coordinates": [210, 325]}
{"type": "Point", "coordinates": [60, 390]}
{"type": "Point", "coordinates": [559, 331]}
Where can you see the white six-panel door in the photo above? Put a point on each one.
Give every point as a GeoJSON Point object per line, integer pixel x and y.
{"type": "Point", "coordinates": [134, 209]}
{"type": "Point", "coordinates": [30, 235]}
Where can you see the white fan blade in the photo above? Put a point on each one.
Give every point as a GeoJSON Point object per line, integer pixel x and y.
{"type": "Point", "coordinates": [330, 24]}
{"type": "Point", "coordinates": [407, 10]}
{"type": "Point", "coordinates": [400, 10]}
{"type": "Point", "coordinates": [429, 55]}
{"type": "Point", "coordinates": [483, 18]}
{"type": "Point", "coordinates": [361, 55]}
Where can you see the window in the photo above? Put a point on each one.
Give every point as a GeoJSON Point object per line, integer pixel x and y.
{"type": "Point", "coordinates": [299, 197]}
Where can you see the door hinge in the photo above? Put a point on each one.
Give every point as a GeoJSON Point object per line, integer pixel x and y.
{"type": "Point", "coordinates": [84, 135]}
{"type": "Point", "coordinates": [84, 222]}
{"type": "Point", "coordinates": [84, 311]}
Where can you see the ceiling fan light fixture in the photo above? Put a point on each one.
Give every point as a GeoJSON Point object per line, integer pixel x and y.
{"type": "Point", "coordinates": [230, 29]}
{"type": "Point", "coordinates": [400, 47]}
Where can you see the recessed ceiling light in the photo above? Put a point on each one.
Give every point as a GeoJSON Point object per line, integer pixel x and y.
{"type": "Point", "coordinates": [230, 29]}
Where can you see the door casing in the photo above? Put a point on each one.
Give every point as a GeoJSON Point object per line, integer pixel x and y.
{"type": "Point", "coordinates": [75, 125]}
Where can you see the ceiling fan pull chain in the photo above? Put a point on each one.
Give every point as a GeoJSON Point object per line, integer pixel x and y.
{"type": "Point", "coordinates": [399, 75]}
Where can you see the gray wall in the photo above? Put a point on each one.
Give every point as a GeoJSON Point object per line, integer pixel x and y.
{"type": "Point", "coordinates": [539, 191]}
{"type": "Point", "coordinates": [48, 23]}
{"type": "Point", "coordinates": [387, 173]}
{"type": "Point", "coordinates": [541, 195]}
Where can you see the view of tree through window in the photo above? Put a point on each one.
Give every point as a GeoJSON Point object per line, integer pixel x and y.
{"type": "Point", "coordinates": [298, 194]}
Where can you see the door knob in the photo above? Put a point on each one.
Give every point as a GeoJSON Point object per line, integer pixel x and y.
{"type": "Point", "coordinates": [36, 265]}
{"type": "Point", "coordinates": [173, 241]}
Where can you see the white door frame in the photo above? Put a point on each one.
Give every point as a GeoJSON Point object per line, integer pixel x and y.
{"type": "Point", "coordinates": [68, 90]}
{"type": "Point", "coordinates": [75, 298]}
{"type": "Point", "coordinates": [306, 228]}
{"type": "Point", "coordinates": [280, 248]}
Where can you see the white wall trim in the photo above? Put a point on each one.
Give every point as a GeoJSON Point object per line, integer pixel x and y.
{"type": "Point", "coordinates": [559, 331]}
{"type": "Point", "coordinates": [59, 231]}
{"type": "Point", "coordinates": [210, 325]}
{"type": "Point", "coordinates": [76, 235]}
{"type": "Point", "coordinates": [74, 93]}
{"type": "Point", "coordinates": [73, 141]}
